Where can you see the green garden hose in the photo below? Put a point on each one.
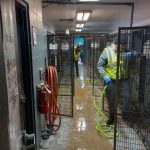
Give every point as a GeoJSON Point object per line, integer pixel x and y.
{"type": "Point", "coordinates": [101, 124]}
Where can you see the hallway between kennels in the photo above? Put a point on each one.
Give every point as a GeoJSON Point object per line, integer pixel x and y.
{"type": "Point", "coordinates": [79, 132]}
{"type": "Point", "coordinates": [51, 93]}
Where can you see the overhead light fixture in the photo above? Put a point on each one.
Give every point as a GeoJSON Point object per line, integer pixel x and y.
{"type": "Point", "coordinates": [78, 30]}
{"type": "Point", "coordinates": [88, 0]}
{"type": "Point", "coordinates": [86, 16]}
{"type": "Point", "coordinates": [83, 15]}
{"type": "Point", "coordinates": [79, 16]}
{"type": "Point", "coordinates": [80, 25]}
{"type": "Point", "coordinates": [67, 31]}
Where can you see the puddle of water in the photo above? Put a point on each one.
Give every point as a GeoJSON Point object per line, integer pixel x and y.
{"type": "Point", "coordinates": [81, 124]}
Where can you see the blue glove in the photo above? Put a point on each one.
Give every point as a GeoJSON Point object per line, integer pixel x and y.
{"type": "Point", "coordinates": [128, 54]}
{"type": "Point", "coordinates": [107, 80]}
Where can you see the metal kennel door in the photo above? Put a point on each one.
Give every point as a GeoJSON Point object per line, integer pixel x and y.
{"type": "Point", "coordinates": [98, 46]}
{"type": "Point", "coordinates": [133, 90]}
{"type": "Point", "coordinates": [62, 58]}
{"type": "Point", "coordinates": [90, 58]}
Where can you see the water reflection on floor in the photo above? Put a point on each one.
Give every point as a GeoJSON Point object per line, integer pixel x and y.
{"type": "Point", "coordinates": [81, 75]}
{"type": "Point", "coordinates": [78, 133]}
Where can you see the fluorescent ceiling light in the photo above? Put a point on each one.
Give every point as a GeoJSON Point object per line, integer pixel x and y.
{"type": "Point", "coordinates": [88, 0]}
{"type": "Point", "coordinates": [79, 16]}
{"type": "Point", "coordinates": [77, 25]}
{"type": "Point", "coordinates": [86, 16]}
{"type": "Point", "coordinates": [83, 15]}
{"type": "Point", "coordinates": [78, 30]}
{"type": "Point", "coordinates": [67, 31]}
{"type": "Point", "coordinates": [81, 25]}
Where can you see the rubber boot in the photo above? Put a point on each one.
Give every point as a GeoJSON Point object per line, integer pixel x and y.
{"type": "Point", "coordinates": [110, 120]}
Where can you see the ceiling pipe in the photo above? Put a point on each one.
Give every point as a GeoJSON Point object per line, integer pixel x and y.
{"type": "Point", "coordinates": [87, 3]}
{"type": "Point", "coordinates": [132, 15]}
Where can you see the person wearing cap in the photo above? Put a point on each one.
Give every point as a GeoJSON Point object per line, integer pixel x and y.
{"type": "Point", "coordinates": [107, 67]}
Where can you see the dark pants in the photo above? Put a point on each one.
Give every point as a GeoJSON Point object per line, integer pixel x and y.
{"type": "Point", "coordinates": [125, 97]}
{"type": "Point", "coordinates": [110, 93]}
{"type": "Point", "coordinates": [77, 69]}
{"type": "Point", "coordinates": [124, 94]}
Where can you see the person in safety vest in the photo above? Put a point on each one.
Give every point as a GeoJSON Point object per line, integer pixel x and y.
{"type": "Point", "coordinates": [107, 67]}
{"type": "Point", "coordinates": [77, 56]}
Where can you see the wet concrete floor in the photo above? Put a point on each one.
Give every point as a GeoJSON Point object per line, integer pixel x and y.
{"type": "Point", "coordinates": [79, 133]}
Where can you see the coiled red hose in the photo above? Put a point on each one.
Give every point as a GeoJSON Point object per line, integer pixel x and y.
{"type": "Point", "coordinates": [54, 112]}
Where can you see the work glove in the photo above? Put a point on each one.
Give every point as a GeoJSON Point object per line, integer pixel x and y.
{"type": "Point", "coordinates": [131, 54]}
{"type": "Point", "coordinates": [107, 80]}
{"type": "Point", "coordinates": [128, 54]}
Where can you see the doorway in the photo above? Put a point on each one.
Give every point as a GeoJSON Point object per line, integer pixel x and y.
{"type": "Point", "coordinates": [24, 63]}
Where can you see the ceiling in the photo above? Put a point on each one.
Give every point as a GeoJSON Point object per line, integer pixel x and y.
{"type": "Point", "coordinates": [104, 18]}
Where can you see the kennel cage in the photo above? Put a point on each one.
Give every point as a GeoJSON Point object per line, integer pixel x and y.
{"type": "Point", "coordinates": [61, 56]}
{"type": "Point", "coordinates": [133, 89]}
{"type": "Point", "coordinates": [98, 45]}
{"type": "Point", "coordinates": [89, 62]}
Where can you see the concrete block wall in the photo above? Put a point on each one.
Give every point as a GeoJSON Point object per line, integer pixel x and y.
{"type": "Point", "coordinates": [35, 12]}
{"type": "Point", "coordinates": [39, 52]}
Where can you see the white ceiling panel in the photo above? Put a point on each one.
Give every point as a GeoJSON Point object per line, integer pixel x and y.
{"type": "Point", "coordinates": [103, 18]}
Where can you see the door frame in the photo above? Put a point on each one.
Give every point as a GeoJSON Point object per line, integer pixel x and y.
{"type": "Point", "coordinates": [4, 138]}
{"type": "Point", "coordinates": [29, 106]}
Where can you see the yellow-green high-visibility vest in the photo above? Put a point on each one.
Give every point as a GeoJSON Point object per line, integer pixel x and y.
{"type": "Point", "coordinates": [111, 67]}
{"type": "Point", "coordinates": [76, 55]}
